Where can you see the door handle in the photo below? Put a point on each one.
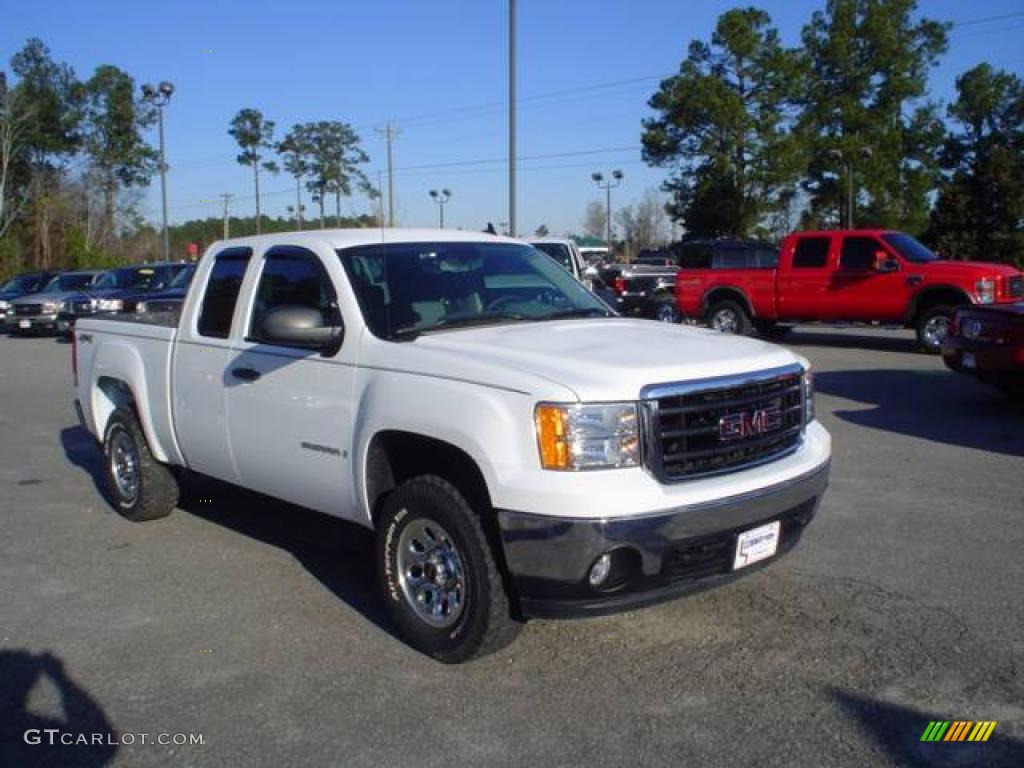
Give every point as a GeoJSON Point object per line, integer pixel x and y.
{"type": "Point", "coordinates": [245, 374]}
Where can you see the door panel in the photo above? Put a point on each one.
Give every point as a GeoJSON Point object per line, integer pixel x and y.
{"type": "Point", "coordinates": [289, 409]}
{"type": "Point", "coordinates": [804, 281]}
{"type": "Point", "coordinates": [860, 289]}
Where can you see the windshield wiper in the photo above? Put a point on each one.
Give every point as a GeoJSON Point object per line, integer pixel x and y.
{"type": "Point", "coordinates": [564, 314]}
{"type": "Point", "coordinates": [465, 321]}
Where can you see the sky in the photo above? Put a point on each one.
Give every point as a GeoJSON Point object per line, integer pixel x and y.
{"type": "Point", "coordinates": [438, 72]}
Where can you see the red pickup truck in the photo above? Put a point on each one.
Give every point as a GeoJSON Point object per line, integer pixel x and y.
{"type": "Point", "coordinates": [854, 275]}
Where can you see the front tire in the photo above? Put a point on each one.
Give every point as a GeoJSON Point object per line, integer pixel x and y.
{"type": "Point", "coordinates": [440, 581]}
{"type": "Point", "coordinates": [729, 317]}
{"type": "Point", "coordinates": [140, 487]}
{"type": "Point", "coordinates": [932, 328]}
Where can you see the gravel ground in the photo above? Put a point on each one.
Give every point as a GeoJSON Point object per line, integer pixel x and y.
{"type": "Point", "coordinates": [257, 625]}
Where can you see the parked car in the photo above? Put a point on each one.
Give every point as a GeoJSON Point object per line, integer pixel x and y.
{"type": "Point", "coordinates": [169, 299]}
{"type": "Point", "coordinates": [566, 253]}
{"type": "Point", "coordinates": [21, 285]}
{"type": "Point", "coordinates": [513, 443]}
{"type": "Point", "coordinates": [649, 290]}
{"type": "Point", "coordinates": [987, 342]}
{"type": "Point", "coordinates": [117, 290]}
{"type": "Point", "coordinates": [37, 312]}
{"type": "Point", "coordinates": [856, 275]}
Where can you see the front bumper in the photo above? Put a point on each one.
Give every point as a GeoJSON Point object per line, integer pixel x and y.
{"type": "Point", "coordinates": [633, 304]}
{"type": "Point", "coordinates": [663, 555]}
{"type": "Point", "coordinates": [32, 323]}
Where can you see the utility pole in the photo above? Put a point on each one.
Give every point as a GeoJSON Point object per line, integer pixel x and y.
{"type": "Point", "coordinates": [159, 97]}
{"type": "Point", "coordinates": [226, 197]}
{"type": "Point", "coordinates": [608, 186]}
{"type": "Point", "coordinates": [512, 117]}
{"type": "Point", "coordinates": [390, 133]}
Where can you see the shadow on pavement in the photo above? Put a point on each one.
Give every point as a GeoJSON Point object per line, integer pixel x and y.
{"type": "Point", "coordinates": [932, 405]}
{"type": "Point", "coordinates": [898, 730]}
{"type": "Point", "coordinates": [20, 673]}
{"type": "Point", "coordinates": [339, 554]}
{"type": "Point", "coordinates": [896, 341]}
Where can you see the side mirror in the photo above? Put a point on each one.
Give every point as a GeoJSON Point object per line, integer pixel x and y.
{"type": "Point", "coordinates": [885, 263]}
{"type": "Point", "coordinates": [294, 326]}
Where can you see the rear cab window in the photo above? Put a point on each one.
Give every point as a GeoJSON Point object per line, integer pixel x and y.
{"type": "Point", "coordinates": [811, 252]}
{"type": "Point", "coordinates": [222, 292]}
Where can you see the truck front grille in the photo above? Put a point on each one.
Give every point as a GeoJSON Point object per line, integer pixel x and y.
{"type": "Point", "coordinates": [722, 425]}
{"type": "Point", "coordinates": [28, 310]}
{"type": "Point", "coordinates": [1015, 287]}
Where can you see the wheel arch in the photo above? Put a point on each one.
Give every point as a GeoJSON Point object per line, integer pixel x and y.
{"type": "Point", "coordinates": [932, 296]}
{"type": "Point", "coordinates": [726, 293]}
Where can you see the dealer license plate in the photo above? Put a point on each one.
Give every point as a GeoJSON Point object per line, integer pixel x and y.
{"type": "Point", "coordinates": [24, 323]}
{"type": "Point", "coordinates": [756, 544]}
{"type": "Point", "coordinates": [968, 360]}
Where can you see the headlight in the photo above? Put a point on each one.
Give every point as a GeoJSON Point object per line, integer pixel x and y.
{"type": "Point", "coordinates": [141, 307]}
{"type": "Point", "coordinates": [985, 290]}
{"type": "Point", "coordinates": [109, 305]}
{"type": "Point", "coordinates": [580, 436]}
{"type": "Point", "coordinates": [808, 395]}
{"type": "Point", "coordinates": [4, 306]}
{"type": "Point", "coordinates": [50, 307]}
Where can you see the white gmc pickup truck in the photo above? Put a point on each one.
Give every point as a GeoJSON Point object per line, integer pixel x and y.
{"type": "Point", "coordinates": [518, 449]}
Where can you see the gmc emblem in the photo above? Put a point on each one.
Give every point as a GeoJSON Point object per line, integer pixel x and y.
{"type": "Point", "coordinates": [736, 426]}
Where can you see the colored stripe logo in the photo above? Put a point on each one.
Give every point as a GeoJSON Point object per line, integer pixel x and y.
{"type": "Point", "coordinates": [959, 730]}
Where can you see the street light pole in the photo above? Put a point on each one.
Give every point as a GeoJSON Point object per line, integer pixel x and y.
{"type": "Point", "coordinates": [441, 198]}
{"type": "Point", "coordinates": [159, 98]}
{"type": "Point", "coordinates": [607, 186]}
{"type": "Point", "coordinates": [512, 117]}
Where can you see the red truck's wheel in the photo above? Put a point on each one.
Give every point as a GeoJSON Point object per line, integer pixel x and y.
{"type": "Point", "coordinates": [140, 487]}
{"type": "Point", "coordinates": [440, 580]}
{"type": "Point", "coordinates": [729, 317]}
{"type": "Point", "coordinates": [932, 327]}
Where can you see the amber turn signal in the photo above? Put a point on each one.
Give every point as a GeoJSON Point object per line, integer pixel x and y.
{"type": "Point", "coordinates": [552, 436]}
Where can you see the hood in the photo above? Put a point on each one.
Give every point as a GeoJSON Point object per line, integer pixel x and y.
{"type": "Point", "coordinates": [43, 298]}
{"type": "Point", "coordinates": [963, 269]}
{"type": "Point", "coordinates": [596, 359]}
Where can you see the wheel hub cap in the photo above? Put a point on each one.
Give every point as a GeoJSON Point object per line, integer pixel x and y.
{"type": "Point", "coordinates": [724, 321]}
{"type": "Point", "coordinates": [431, 573]}
{"type": "Point", "coordinates": [124, 465]}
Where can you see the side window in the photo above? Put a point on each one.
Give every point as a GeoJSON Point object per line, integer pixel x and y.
{"type": "Point", "coordinates": [695, 257]}
{"type": "Point", "coordinates": [811, 252]}
{"type": "Point", "coordinates": [858, 254]}
{"type": "Point", "coordinates": [727, 257]}
{"type": "Point", "coordinates": [766, 258]}
{"type": "Point", "coordinates": [222, 292]}
{"type": "Point", "coordinates": [291, 277]}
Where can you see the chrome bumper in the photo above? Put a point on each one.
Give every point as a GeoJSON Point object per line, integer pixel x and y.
{"type": "Point", "coordinates": [549, 557]}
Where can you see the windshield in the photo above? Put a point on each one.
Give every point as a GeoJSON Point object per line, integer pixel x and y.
{"type": "Point", "coordinates": [908, 247]}
{"type": "Point", "coordinates": [557, 251]}
{"type": "Point", "coordinates": [23, 283]}
{"type": "Point", "coordinates": [127, 278]}
{"type": "Point", "coordinates": [183, 278]}
{"type": "Point", "coordinates": [405, 289]}
{"type": "Point", "coordinates": [66, 283]}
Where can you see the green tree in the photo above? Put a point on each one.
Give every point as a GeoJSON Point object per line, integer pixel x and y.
{"type": "Point", "coordinates": [112, 136]}
{"type": "Point", "coordinates": [51, 96]}
{"type": "Point", "coordinates": [332, 156]}
{"type": "Point", "coordinates": [254, 135]}
{"type": "Point", "coordinates": [293, 150]}
{"type": "Point", "coordinates": [979, 212]}
{"type": "Point", "coordinates": [723, 124]}
{"type": "Point", "coordinates": [865, 112]}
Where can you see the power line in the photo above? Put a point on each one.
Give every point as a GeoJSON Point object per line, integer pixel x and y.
{"type": "Point", "coordinates": [971, 22]}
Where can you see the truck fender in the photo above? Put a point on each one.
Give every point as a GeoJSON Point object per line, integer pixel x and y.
{"type": "Point", "coordinates": [931, 295]}
{"type": "Point", "coordinates": [482, 423]}
{"type": "Point", "coordinates": [119, 379]}
{"type": "Point", "coordinates": [733, 292]}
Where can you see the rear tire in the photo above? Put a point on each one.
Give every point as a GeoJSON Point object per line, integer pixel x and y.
{"type": "Point", "coordinates": [140, 487]}
{"type": "Point", "coordinates": [438, 574]}
{"type": "Point", "coordinates": [729, 317]}
{"type": "Point", "coordinates": [666, 310]}
{"type": "Point", "coordinates": [932, 327]}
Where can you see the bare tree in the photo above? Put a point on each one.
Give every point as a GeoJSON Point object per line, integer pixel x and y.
{"type": "Point", "coordinates": [13, 126]}
{"type": "Point", "coordinates": [595, 219]}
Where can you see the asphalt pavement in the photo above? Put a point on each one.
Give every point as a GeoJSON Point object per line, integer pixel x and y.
{"type": "Point", "coordinates": [257, 625]}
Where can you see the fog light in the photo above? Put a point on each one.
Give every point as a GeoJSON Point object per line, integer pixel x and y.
{"type": "Point", "coordinates": [600, 569]}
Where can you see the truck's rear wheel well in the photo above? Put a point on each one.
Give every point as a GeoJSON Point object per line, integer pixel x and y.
{"type": "Point", "coordinates": [716, 295]}
{"type": "Point", "coordinates": [112, 394]}
{"type": "Point", "coordinates": [947, 295]}
{"type": "Point", "coordinates": [396, 456]}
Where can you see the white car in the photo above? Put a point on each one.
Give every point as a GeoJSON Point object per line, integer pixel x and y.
{"type": "Point", "coordinates": [518, 449]}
